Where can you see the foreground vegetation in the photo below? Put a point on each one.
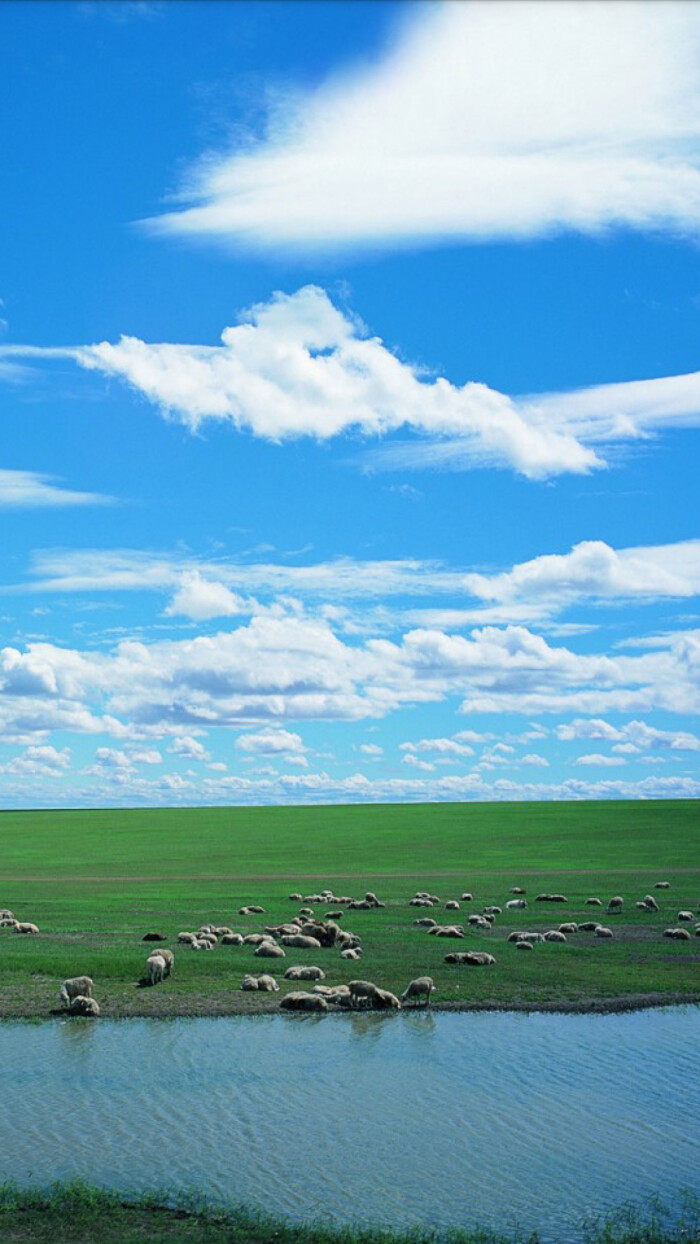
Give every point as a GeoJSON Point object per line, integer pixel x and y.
{"type": "Point", "coordinates": [79, 1214]}
{"type": "Point", "coordinates": [96, 881]}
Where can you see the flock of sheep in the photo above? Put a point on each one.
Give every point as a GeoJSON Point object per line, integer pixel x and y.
{"type": "Point", "coordinates": [309, 932]}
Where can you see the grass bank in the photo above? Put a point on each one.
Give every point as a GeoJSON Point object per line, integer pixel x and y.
{"type": "Point", "coordinates": [77, 1213]}
{"type": "Point", "coordinates": [96, 881]}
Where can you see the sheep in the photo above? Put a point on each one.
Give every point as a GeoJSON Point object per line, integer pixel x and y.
{"type": "Point", "coordinates": [363, 992]}
{"type": "Point", "coordinates": [662, 885]}
{"type": "Point", "coordinates": [298, 1000]}
{"type": "Point", "coordinates": [154, 937]}
{"type": "Point", "coordinates": [301, 972]}
{"type": "Point", "coordinates": [514, 904]}
{"type": "Point", "coordinates": [569, 927]}
{"type": "Point", "coordinates": [186, 939]}
{"type": "Point", "coordinates": [295, 897]}
{"type": "Point", "coordinates": [269, 950]}
{"type": "Point", "coordinates": [75, 987]}
{"type": "Point", "coordinates": [452, 905]}
{"type": "Point", "coordinates": [156, 968]}
{"type": "Point", "coordinates": [472, 958]}
{"type": "Point", "coordinates": [265, 983]}
{"type": "Point", "coordinates": [616, 904]}
{"type": "Point", "coordinates": [169, 959]}
{"type": "Point", "coordinates": [232, 939]}
{"type": "Point", "coordinates": [447, 930]}
{"type": "Point", "coordinates": [685, 917]}
{"type": "Point", "coordinates": [425, 922]}
{"type": "Point", "coordinates": [421, 987]}
{"type": "Point", "coordinates": [650, 902]}
{"type": "Point", "coordinates": [553, 935]}
{"type": "Point", "coordinates": [590, 926]}
{"type": "Point", "coordinates": [420, 902]}
{"type": "Point", "coordinates": [492, 911]}
{"type": "Point", "coordinates": [467, 897]}
{"type": "Point", "coordinates": [523, 944]}
{"type": "Point", "coordinates": [551, 898]}
{"type": "Point", "coordinates": [82, 1005]}
{"type": "Point", "coordinates": [523, 936]}
{"type": "Point", "coordinates": [602, 931]}
{"type": "Point", "coordinates": [517, 889]}
{"type": "Point", "coordinates": [594, 902]}
{"type": "Point", "coordinates": [351, 953]}
{"type": "Point", "coordinates": [479, 922]}
{"type": "Point", "coordinates": [348, 941]}
{"type": "Point", "coordinates": [6, 914]}
{"type": "Point", "coordinates": [385, 1000]}
{"type": "Point", "coordinates": [678, 935]}
{"type": "Point", "coordinates": [8, 922]}
{"type": "Point", "coordinates": [301, 942]}
{"type": "Point", "coordinates": [25, 926]}
{"type": "Point", "coordinates": [251, 910]}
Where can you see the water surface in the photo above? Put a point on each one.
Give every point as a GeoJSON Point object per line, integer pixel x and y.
{"type": "Point", "coordinates": [445, 1119]}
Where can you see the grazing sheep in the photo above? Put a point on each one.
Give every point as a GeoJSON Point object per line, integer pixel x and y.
{"type": "Point", "coordinates": [594, 902]}
{"type": "Point", "coordinates": [169, 958]}
{"type": "Point", "coordinates": [385, 1000]}
{"type": "Point", "coordinates": [300, 1001]}
{"type": "Point", "coordinates": [76, 987]}
{"type": "Point", "coordinates": [421, 987]}
{"type": "Point", "coordinates": [650, 902]}
{"type": "Point", "coordinates": [25, 926]}
{"type": "Point", "coordinates": [269, 950]}
{"type": "Point", "coordinates": [553, 935]}
{"type": "Point", "coordinates": [685, 917]}
{"type": "Point", "coordinates": [156, 968]}
{"type": "Point", "coordinates": [602, 931]}
{"type": "Point", "coordinates": [615, 904]}
{"type": "Point", "coordinates": [516, 903]}
{"type": "Point", "coordinates": [678, 935]}
{"type": "Point", "coordinates": [82, 1005]}
{"type": "Point", "coordinates": [364, 993]}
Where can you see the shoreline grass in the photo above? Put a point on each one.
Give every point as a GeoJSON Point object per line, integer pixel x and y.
{"type": "Point", "coordinates": [79, 1213]}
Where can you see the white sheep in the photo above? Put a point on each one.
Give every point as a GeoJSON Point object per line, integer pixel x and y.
{"type": "Point", "coordinates": [602, 931]}
{"type": "Point", "coordinates": [76, 987]}
{"type": "Point", "coordinates": [300, 1001]}
{"type": "Point", "coordinates": [301, 972]}
{"type": "Point", "coordinates": [156, 968]}
{"type": "Point", "coordinates": [421, 987]}
{"type": "Point", "coordinates": [82, 1005]}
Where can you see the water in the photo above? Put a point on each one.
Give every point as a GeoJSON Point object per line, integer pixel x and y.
{"type": "Point", "coordinates": [441, 1120]}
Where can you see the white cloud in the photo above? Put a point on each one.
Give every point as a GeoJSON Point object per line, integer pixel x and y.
{"type": "Point", "coordinates": [597, 758]}
{"type": "Point", "coordinates": [535, 760]}
{"type": "Point", "coordinates": [483, 120]}
{"type": "Point", "coordinates": [39, 760]}
{"type": "Point", "coordinates": [634, 736]}
{"type": "Point", "coordinates": [185, 745]}
{"type": "Point", "coordinates": [442, 747]}
{"type": "Point", "coordinates": [29, 490]}
{"type": "Point", "coordinates": [201, 598]}
{"type": "Point", "coordinates": [373, 750]}
{"type": "Point", "coordinates": [298, 366]}
{"type": "Point", "coordinates": [274, 742]}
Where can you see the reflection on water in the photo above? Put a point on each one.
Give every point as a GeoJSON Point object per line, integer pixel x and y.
{"type": "Point", "coordinates": [406, 1118]}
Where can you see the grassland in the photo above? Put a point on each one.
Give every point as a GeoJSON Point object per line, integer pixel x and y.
{"type": "Point", "coordinates": [96, 881]}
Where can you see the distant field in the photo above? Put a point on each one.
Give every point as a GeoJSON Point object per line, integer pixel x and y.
{"type": "Point", "coordinates": [95, 881]}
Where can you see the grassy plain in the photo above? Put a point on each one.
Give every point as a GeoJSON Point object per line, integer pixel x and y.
{"type": "Point", "coordinates": [96, 881]}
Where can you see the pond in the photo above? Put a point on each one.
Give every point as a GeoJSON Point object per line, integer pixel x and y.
{"type": "Point", "coordinates": [506, 1120]}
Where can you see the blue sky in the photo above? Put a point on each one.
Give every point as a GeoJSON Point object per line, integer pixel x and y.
{"type": "Point", "coordinates": [350, 404]}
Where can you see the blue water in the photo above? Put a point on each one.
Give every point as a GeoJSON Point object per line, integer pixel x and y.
{"type": "Point", "coordinates": [441, 1120]}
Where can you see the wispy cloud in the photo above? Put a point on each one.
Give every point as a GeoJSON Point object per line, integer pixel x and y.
{"type": "Point", "coordinates": [32, 490]}
{"type": "Point", "coordinates": [485, 119]}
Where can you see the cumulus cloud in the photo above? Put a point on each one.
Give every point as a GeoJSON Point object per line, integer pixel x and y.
{"type": "Point", "coordinates": [597, 758]}
{"type": "Point", "coordinates": [185, 745]}
{"type": "Point", "coordinates": [274, 742]}
{"type": "Point", "coordinates": [199, 598]}
{"type": "Point", "coordinates": [30, 490]}
{"type": "Point", "coordinates": [298, 366]}
{"type": "Point", "coordinates": [633, 737]}
{"type": "Point", "coordinates": [483, 120]}
{"type": "Point", "coordinates": [453, 747]}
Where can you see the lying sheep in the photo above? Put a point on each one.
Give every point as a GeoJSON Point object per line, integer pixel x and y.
{"type": "Point", "coordinates": [472, 958]}
{"type": "Point", "coordinates": [304, 973]}
{"type": "Point", "coordinates": [602, 931]}
{"type": "Point", "coordinates": [421, 987]}
{"type": "Point", "coordinates": [467, 897]}
{"type": "Point", "coordinates": [522, 935]}
{"type": "Point", "coordinates": [425, 922]}
{"type": "Point", "coordinates": [553, 935]}
{"type": "Point", "coordinates": [269, 950]}
{"type": "Point", "coordinates": [685, 917]}
{"type": "Point", "coordinates": [678, 935]}
{"type": "Point", "coordinates": [25, 926]}
{"type": "Point", "coordinates": [590, 926]}
{"type": "Point", "coordinates": [594, 902]}
{"type": "Point", "coordinates": [523, 944]}
{"type": "Point", "coordinates": [447, 930]}
{"type": "Point", "coordinates": [82, 1005]}
{"type": "Point", "coordinates": [253, 909]}
{"type": "Point", "coordinates": [76, 987]}
{"type": "Point", "coordinates": [300, 942]}
{"type": "Point", "coordinates": [232, 939]}
{"type": "Point", "coordinates": [517, 889]}
{"type": "Point", "coordinates": [265, 983]}
{"type": "Point", "coordinates": [551, 898]}
{"type": "Point", "coordinates": [662, 885]}
{"type": "Point", "coordinates": [516, 903]}
{"type": "Point", "coordinates": [569, 927]}
{"type": "Point", "coordinates": [295, 897]}
{"type": "Point", "coordinates": [186, 939]}
{"type": "Point", "coordinates": [351, 953]}
{"type": "Point", "coordinates": [300, 1001]}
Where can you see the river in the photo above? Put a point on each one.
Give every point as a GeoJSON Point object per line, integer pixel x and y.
{"type": "Point", "coordinates": [499, 1119]}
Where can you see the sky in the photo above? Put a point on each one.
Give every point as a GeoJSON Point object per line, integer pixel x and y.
{"type": "Point", "coordinates": [350, 411]}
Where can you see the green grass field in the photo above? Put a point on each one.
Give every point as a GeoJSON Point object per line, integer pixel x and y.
{"type": "Point", "coordinates": [96, 881]}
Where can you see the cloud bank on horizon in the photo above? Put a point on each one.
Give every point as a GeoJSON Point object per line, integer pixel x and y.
{"type": "Point", "coordinates": [481, 121]}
